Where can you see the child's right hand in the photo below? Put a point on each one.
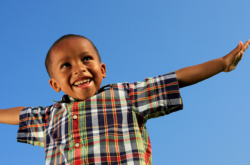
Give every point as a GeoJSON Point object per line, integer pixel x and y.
{"type": "Point", "coordinates": [232, 59]}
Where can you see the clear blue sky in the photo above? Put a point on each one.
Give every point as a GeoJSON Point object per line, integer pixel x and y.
{"type": "Point", "coordinates": [137, 39]}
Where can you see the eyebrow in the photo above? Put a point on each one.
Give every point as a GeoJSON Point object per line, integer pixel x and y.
{"type": "Point", "coordinates": [60, 61]}
{"type": "Point", "coordinates": [81, 54]}
{"type": "Point", "coordinates": [84, 53]}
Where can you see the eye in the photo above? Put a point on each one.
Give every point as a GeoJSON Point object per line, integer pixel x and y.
{"type": "Point", "coordinates": [86, 58]}
{"type": "Point", "coordinates": [65, 65]}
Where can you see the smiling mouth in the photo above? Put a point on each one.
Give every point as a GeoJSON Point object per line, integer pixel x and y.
{"type": "Point", "coordinates": [82, 82]}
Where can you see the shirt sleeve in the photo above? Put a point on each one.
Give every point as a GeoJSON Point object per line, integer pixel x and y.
{"type": "Point", "coordinates": [156, 96]}
{"type": "Point", "coordinates": [32, 126]}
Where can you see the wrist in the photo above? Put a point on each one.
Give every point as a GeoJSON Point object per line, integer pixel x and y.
{"type": "Point", "coordinates": [223, 64]}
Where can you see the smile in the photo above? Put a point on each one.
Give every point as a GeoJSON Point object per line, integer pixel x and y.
{"type": "Point", "coordinates": [81, 82]}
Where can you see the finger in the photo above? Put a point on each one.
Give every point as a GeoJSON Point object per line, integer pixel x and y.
{"type": "Point", "coordinates": [238, 58]}
{"type": "Point", "coordinates": [240, 55]}
{"type": "Point", "coordinates": [245, 46]}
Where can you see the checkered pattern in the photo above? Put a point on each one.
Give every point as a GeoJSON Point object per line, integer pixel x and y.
{"type": "Point", "coordinates": [106, 129]}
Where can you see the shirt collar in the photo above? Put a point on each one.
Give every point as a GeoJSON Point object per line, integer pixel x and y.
{"type": "Point", "coordinates": [69, 99]}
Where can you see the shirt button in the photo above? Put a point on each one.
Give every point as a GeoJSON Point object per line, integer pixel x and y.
{"type": "Point", "coordinates": [77, 145]}
{"type": "Point", "coordinates": [75, 117]}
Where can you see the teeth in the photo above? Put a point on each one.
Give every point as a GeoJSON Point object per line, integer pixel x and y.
{"type": "Point", "coordinates": [81, 82]}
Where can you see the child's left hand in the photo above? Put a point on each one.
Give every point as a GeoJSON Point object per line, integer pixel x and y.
{"type": "Point", "coordinates": [233, 58]}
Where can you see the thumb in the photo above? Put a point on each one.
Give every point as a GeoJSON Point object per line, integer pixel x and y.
{"type": "Point", "coordinates": [238, 48]}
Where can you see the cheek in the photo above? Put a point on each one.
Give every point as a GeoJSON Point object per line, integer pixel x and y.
{"type": "Point", "coordinates": [94, 69]}
{"type": "Point", "coordinates": [64, 80]}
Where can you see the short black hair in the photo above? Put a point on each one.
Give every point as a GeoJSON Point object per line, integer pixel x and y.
{"type": "Point", "coordinates": [48, 60]}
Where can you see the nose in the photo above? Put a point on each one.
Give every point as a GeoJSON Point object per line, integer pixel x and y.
{"type": "Point", "coordinates": [78, 69]}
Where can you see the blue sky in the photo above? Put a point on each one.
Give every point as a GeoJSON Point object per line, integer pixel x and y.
{"type": "Point", "coordinates": [137, 39]}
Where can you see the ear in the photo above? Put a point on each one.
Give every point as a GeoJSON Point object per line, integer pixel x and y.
{"type": "Point", "coordinates": [54, 85]}
{"type": "Point", "coordinates": [103, 69]}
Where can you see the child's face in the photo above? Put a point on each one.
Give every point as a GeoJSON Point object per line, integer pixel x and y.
{"type": "Point", "coordinates": [76, 68]}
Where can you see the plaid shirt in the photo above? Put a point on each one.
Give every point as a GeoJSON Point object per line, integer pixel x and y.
{"type": "Point", "coordinates": [106, 129]}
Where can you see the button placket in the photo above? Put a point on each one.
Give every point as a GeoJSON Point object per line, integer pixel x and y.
{"type": "Point", "coordinates": [75, 117]}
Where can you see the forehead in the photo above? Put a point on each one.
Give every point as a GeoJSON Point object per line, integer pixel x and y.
{"type": "Point", "coordinates": [72, 46]}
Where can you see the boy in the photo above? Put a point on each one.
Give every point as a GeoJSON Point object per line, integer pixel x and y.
{"type": "Point", "coordinates": [93, 125]}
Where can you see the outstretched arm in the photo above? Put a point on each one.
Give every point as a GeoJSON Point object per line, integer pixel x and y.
{"type": "Point", "coordinates": [194, 74]}
{"type": "Point", "coordinates": [10, 116]}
